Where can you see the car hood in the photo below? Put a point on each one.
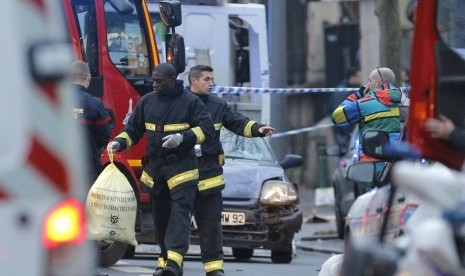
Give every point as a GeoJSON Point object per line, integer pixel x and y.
{"type": "Point", "coordinates": [244, 178]}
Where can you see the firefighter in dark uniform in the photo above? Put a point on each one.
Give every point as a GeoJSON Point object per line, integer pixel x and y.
{"type": "Point", "coordinates": [174, 121]}
{"type": "Point", "coordinates": [96, 119]}
{"type": "Point", "coordinates": [209, 202]}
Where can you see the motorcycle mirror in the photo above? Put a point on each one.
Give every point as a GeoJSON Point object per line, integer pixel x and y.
{"type": "Point", "coordinates": [373, 142]}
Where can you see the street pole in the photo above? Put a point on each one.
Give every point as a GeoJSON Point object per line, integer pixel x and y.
{"type": "Point", "coordinates": [278, 71]}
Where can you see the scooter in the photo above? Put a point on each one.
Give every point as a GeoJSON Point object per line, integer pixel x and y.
{"type": "Point", "coordinates": [436, 230]}
{"type": "Point", "coordinates": [434, 241]}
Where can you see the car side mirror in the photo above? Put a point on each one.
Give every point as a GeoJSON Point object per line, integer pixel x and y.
{"type": "Point", "coordinates": [291, 161]}
{"type": "Point", "coordinates": [364, 172]}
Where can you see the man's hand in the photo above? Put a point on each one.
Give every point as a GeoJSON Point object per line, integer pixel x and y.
{"type": "Point", "coordinates": [366, 90]}
{"type": "Point", "coordinates": [171, 141]}
{"type": "Point", "coordinates": [439, 128]}
{"type": "Point", "coordinates": [266, 130]}
{"type": "Point", "coordinates": [113, 147]}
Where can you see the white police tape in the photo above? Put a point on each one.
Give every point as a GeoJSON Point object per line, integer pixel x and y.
{"type": "Point", "coordinates": [301, 130]}
{"type": "Point", "coordinates": [257, 90]}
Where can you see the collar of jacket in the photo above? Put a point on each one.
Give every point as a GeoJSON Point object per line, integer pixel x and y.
{"type": "Point", "coordinates": [204, 98]}
{"type": "Point", "coordinates": [79, 87]}
{"type": "Point", "coordinates": [388, 94]}
{"type": "Point", "coordinates": [179, 89]}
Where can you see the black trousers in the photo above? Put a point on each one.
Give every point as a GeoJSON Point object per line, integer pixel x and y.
{"type": "Point", "coordinates": [207, 212]}
{"type": "Point", "coordinates": [171, 209]}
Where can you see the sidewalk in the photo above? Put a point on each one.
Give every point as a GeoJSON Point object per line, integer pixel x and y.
{"type": "Point", "coordinates": [318, 229]}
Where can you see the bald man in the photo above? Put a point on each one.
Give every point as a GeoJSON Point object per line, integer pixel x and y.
{"type": "Point", "coordinates": [175, 121]}
{"type": "Point", "coordinates": [374, 107]}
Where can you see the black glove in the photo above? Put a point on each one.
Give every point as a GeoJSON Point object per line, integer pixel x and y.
{"type": "Point", "coordinates": [360, 91]}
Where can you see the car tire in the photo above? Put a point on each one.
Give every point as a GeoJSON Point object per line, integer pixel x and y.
{"type": "Point", "coordinates": [111, 252]}
{"type": "Point", "coordinates": [281, 256]}
{"type": "Point", "coordinates": [242, 253]}
{"type": "Point", "coordinates": [340, 221]}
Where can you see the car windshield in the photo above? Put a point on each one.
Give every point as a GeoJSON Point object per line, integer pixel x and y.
{"type": "Point", "coordinates": [239, 147]}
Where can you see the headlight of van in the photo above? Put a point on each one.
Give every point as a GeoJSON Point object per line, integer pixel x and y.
{"type": "Point", "coordinates": [275, 192]}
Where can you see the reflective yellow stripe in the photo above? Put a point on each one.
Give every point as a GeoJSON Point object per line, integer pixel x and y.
{"type": "Point", "coordinates": [211, 183]}
{"type": "Point", "coordinates": [149, 126]}
{"type": "Point", "coordinates": [176, 127]}
{"type": "Point", "coordinates": [248, 129]}
{"type": "Point", "coordinates": [146, 179]}
{"type": "Point", "coordinates": [339, 116]}
{"type": "Point", "coordinates": [391, 113]}
{"type": "Point", "coordinates": [125, 136]}
{"type": "Point", "coordinates": [218, 126]}
{"type": "Point", "coordinates": [135, 162]}
{"type": "Point", "coordinates": [174, 256]}
{"type": "Point", "coordinates": [199, 134]}
{"type": "Point", "coordinates": [182, 178]}
{"type": "Point", "coordinates": [161, 262]}
{"type": "Point", "coordinates": [214, 265]}
{"type": "Point", "coordinates": [221, 159]}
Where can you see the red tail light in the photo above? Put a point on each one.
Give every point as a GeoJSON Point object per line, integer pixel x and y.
{"type": "Point", "coordinates": [64, 224]}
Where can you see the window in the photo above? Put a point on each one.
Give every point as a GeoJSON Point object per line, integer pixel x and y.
{"type": "Point", "coordinates": [450, 23]}
{"type": "Point", "coordinates": [126, 42]}
{"type": "Point", "coordinates": [239, 147]}
{"type": "Point", "coordinates": [84, 12]}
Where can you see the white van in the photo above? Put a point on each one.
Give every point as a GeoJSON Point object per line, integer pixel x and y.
{"type": "Point", "coordinates": [230, 37]}
{"type": "Point", "coordinates": [42, 188]}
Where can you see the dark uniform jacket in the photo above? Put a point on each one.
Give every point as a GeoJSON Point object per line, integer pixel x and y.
{"type": "Point", "coordinates": [98, 123]}
{"type": "Point", "coordinates": [210, 164]}
{"type": "Point", "coordinates": [162, 114]}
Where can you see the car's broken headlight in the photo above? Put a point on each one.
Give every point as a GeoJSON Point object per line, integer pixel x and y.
{"type": "Point", "coordinates": [277, 192]}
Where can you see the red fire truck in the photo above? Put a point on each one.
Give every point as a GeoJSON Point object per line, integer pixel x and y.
{"type": "Point", "coordinates": [437, 75]}
{"type": "Point", "coordinates": [116, 39]}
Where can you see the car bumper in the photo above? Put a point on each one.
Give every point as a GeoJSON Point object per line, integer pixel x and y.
{"type": "Point", "coordinates": [259, 232]}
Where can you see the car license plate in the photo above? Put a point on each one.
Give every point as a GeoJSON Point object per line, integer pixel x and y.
{"type": "Point", "coordinates": [232, 218]}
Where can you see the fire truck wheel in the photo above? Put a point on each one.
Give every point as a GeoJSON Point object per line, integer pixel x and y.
{"type": "Point", "coordinates": [111, 252]}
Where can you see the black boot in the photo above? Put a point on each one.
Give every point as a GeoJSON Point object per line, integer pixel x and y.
{"type": "Point", "coordinates": [170, 271]}
{"type": "Point", "coordinates": [216, 273]}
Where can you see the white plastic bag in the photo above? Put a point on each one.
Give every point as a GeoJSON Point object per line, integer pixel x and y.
{"type": "Point", "coordinates": [111, 207]}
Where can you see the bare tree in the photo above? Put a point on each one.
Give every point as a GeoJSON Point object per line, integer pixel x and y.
{"type": "Point", "coordinates": [390, 35]}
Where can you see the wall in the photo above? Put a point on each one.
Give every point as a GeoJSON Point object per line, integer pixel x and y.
{"type": "Point", "coordinates": [318, 13]}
